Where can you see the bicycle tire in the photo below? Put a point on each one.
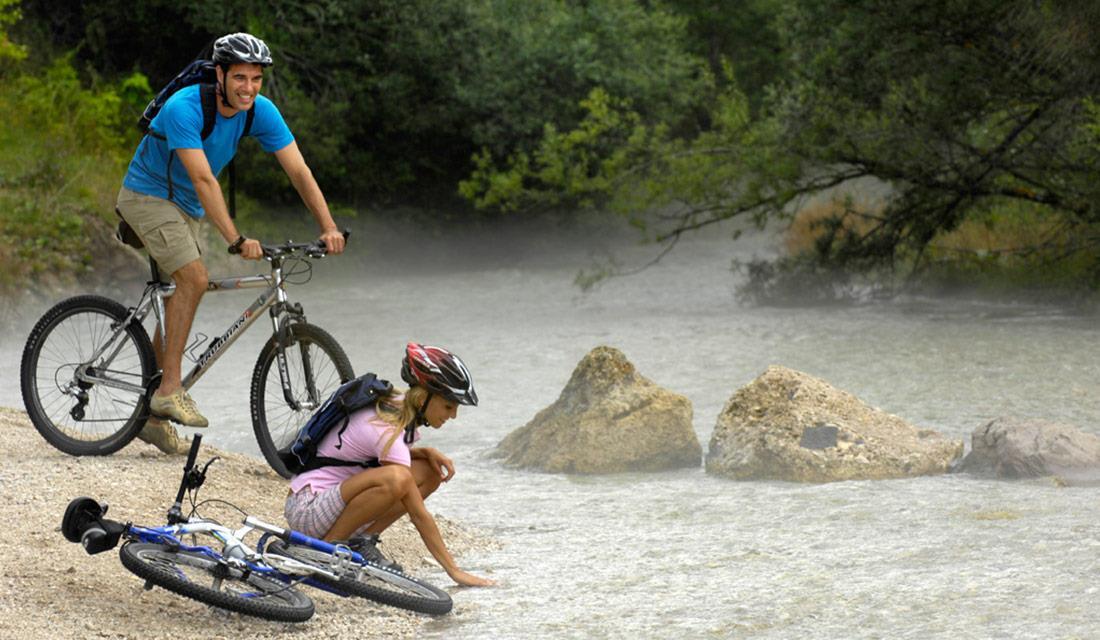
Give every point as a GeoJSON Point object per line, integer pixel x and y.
{"type": "Point", "coordinates": [370, 581]}
{"type": "Point", "coordinates": [258, 595]}
{"type": "Point", "coordinates": [274, 420]}
{"type": "Point", "coordinates": [108, 418]}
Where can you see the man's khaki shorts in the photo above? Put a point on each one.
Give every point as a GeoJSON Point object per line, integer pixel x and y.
{"type": "Point", "coordinates": [171, 236]}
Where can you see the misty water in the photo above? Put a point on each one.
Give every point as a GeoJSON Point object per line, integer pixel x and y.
{"type": "Point", "coordinates": [684, 554]}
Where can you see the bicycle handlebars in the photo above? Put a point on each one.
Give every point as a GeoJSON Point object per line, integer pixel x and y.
{"type": "Point", "coordinates": [315, 249]}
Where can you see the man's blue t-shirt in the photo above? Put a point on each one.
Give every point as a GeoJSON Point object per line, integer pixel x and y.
{"type": "Point", "coordinates": [180, 122]}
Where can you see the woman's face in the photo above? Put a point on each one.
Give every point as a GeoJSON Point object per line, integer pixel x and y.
{"type": "Point", "coordinates": [440, 410]}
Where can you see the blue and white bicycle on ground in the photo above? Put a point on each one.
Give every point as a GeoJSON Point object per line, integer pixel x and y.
{"type": "Point", "coordinates": [209, 562]}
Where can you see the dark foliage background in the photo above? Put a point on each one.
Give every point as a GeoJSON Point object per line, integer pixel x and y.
{"type": "Point", "coordinates": [975, 121]}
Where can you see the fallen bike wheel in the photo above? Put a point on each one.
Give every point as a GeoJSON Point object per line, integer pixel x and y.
{"type": "Point", "coordinates": [83, 381]}
{"type": "Point", "coordinates": [316, 367]}
{"type": "Point", "coordinates": [381, 585]}
{"type": "Point", "coordinates": [197, 576]}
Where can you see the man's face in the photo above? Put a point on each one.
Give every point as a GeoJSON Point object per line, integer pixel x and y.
{"type": "Point", "coordinates": [242, 84]}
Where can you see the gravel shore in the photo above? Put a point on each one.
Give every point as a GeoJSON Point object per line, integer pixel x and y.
{"type": "Point", "coordinates": [50, 588]}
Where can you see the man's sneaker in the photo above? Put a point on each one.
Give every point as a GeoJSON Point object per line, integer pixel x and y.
{"type": "Point", "coordinates": [179, 407]}
{"type": "Point", "coordinates": [367, 546]}
{"type": "Point", "coordinates": [162, 435]}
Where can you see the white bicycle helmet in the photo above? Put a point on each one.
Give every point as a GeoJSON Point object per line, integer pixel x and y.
{"type": "Point", "coordinates": [238, 48]}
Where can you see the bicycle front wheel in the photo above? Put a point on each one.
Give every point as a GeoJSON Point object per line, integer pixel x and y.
{"type": "Point", "coordinates": [84, 376]}
{"type": "Point", "coordinates": [197, 576]}
{"type": "Point", "coordinates": [381, 585]}
{"type": "Point", "coordinates": [316, 367]}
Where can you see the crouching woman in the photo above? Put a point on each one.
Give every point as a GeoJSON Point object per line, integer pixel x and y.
{"type": "Point", "coordinates": [353, 504]}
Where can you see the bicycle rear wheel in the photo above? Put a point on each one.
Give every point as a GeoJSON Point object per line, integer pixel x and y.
{"type": "Point", "coordinates": [316, 367]}
{"type": "Point", "coordinates": [381, 585]}
{"type": "Point", "coordinates": [202, 578]}
{"type": "Point", "coordinates": [85, 406]}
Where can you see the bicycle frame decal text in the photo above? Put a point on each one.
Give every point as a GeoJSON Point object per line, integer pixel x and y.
{"type": "Point", "coordinates": [216, 345]}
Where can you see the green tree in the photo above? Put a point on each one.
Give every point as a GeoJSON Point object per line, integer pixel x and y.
{"type": "Point", "coordinates": [957, 106]}
{"type": "Point", "coordinates": [535, 61]}
{"type": "Point", "coordinates": [408, 91]}
{"type": "Point", "coordinates": [63, 147]}
{"type": "Point", "coordinates": [110, 39]}
{"type": "Point", "coordinates": [740, 35]}
{"type": "Point", "coordinates": [9, 15]}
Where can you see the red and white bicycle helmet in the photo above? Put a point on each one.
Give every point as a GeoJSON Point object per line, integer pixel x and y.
{"type": "Point", "coordinates": [438, 371]}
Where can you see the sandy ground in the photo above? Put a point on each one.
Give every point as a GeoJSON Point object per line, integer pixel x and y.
{"type": "Point", "coordinates": [50, 588]}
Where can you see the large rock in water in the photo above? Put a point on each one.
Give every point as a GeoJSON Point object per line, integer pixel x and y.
{"type": "Point", "coordinates": [787, 425]}
{"type": "Point", "coordinates": [608, 419]}
{"type": "Point", "coordinates": [1015, 448]}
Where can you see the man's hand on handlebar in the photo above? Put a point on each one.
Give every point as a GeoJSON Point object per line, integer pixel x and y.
{"type": "Point", "coordinates": [251, 250]}
{"type": "Point", "coordinates": [334, 241]}
{"type": "Point", "coordinates": [247, 248]}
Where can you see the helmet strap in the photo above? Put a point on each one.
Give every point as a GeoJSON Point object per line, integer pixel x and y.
{"type": "Point", "coordinates": [410, 431]}
{"type": "Point", "coordinates": [221, 86]}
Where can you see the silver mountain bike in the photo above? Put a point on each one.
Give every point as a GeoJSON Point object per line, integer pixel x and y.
{"type": "Point", "coordinates": [88, 367]}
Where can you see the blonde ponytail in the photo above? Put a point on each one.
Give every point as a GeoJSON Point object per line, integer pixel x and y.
{"type": "Point", "coordinates": [400, 415]}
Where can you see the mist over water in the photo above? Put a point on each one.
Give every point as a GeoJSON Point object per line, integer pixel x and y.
{"type": "Point", "coordinates": [682, 554]}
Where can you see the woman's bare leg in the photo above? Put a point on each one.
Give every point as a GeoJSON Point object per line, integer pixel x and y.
{"type": "Point", "coordinates": [368, 495]}
{"type": "Point", "coordinates": [371, 494]}
{"type": "Point", "coordinates": [427, 481]}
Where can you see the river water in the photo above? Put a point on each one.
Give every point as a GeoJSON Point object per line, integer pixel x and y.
{"type": "Point", "coordinates": [683, 554]}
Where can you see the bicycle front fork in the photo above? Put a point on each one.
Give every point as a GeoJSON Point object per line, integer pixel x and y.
{"type": "Point", "coordinates": [284, 340]}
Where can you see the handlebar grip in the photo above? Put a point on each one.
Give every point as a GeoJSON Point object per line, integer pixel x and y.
{"type": "Point", "coordinates": [101, 535]}
{"type": "Point", "coordinates": [344, 232]}
{"type": "Point", "coordinates": [91, 538]}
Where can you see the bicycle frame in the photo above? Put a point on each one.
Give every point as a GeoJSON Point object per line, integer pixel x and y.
{"type": "Point", "coordinates": [238, 554]}
{"type": "Point", "coordinates": [274, 300]}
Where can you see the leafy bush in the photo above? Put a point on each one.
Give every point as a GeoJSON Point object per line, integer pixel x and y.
{"type": "Point", "coordinates": [63, 151]}
{"type": "Point", "coordinates": [9, 15]}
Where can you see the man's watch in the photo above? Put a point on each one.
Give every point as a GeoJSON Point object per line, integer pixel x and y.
{"type": "Point", "coordinates": [236, 246]}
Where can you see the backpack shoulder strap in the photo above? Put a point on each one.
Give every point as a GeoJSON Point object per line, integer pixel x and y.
{"type": "Point", "coordinates": [248, 118]}
{"type": "Point", "coordinates": [209, 99]}
{"type": "Point", "coordinates": [359, 394]}
{"type": "Point", "coordinates": [251, 115]}
{"type": "Point", "coordinates": [340, 433]}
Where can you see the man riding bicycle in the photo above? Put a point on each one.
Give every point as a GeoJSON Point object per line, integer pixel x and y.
{"type": "Point", "coordinates": [171, 185]}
